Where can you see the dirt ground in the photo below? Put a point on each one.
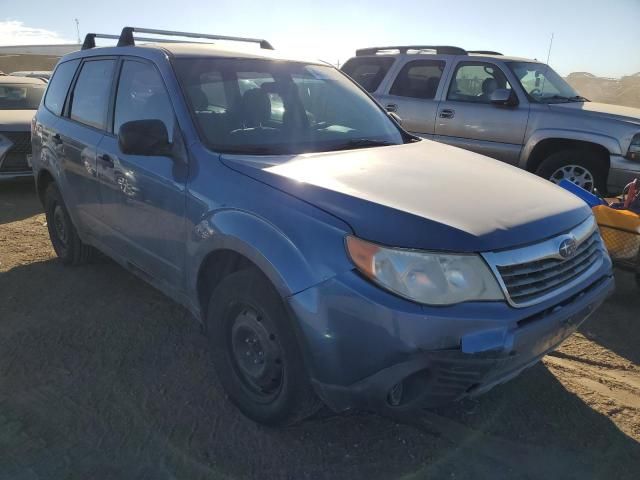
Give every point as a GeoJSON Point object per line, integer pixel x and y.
{"type": "Point", "coordinates": [101, 377]}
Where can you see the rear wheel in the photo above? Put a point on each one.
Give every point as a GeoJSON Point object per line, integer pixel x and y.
{"type": "Point", "coordinates": [256, 352]}
{"type": "Point", "coordinates": [581, 167]}
{"type": "Point", "coordinates": [64, 237]}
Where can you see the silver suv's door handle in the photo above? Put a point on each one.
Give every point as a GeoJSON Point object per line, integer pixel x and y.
{"type": "Point", "coordinates": [392, 107]}
{"type": "Point", "coordinates": [447, 113]}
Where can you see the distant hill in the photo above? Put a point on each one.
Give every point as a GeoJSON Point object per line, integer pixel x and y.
{"type": "Point", "coordinates": [619, 91]}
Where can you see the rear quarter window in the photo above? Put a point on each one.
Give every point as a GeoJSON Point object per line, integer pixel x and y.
{"type": "Point", "coordinates": [59, 86]}
{"type": "Point", "coordinates": [368, 71]}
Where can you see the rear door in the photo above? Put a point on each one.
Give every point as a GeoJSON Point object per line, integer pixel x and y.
{"type": "Point", "coordinates": [368, 72]}
{"type": "Point", "coordinates": [77, 135]}
{"type": "Point", "coordinates": [414, 94]}
{"type": "Point", "coordinates": [143, 197]}
{"type": "Point", "coordinates": [467, 118]}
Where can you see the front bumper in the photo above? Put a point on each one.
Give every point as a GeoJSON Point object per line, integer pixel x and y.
{"type": "Point", "coordinates": [622, 172]}
{"type": "Point", "coordinates": [357, 350]}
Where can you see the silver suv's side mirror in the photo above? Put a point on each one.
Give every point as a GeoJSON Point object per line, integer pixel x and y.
{"type": "Point", "coordinates": [504, 96]}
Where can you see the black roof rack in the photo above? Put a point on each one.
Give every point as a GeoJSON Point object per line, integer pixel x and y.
{"type": "Point", "coordinates": [484, 52]}
{"type": "Point", "coordinates": [126, 38]}
{"type": "Point", "coordinates": [439, 49]}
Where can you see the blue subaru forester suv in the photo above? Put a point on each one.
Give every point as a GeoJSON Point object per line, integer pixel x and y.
{"type": "Point", "coordinates": [332, 257]}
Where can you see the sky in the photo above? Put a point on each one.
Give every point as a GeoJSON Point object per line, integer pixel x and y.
{"type": "Point", "coordinates": [601, 37]}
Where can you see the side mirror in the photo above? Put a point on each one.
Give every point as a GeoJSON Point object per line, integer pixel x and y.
{"type": "Point", "coordinates": [504, 96]}
{"type": "Point", "coordinates": [395, 117]}
{"type": "Point", "coordinates": [144, 137]}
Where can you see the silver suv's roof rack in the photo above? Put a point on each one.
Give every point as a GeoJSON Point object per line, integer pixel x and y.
{"type": "Point", "coordinates": [484, 52]}
{"type": "Point", "coordinates": [403, 49]}
{"type": "Point", "coordinates": [126, 38]}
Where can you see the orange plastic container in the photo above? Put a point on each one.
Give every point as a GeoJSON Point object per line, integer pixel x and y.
{"type": "Point", "coordinates": [620, 230]}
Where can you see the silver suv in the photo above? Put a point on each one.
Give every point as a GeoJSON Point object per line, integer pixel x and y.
{"type": "Point", "coordinates": [513, 109]}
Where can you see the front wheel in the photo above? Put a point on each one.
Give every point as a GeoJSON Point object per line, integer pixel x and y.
{"type": "Point", "coordinates": [581, 167]}
{"type": "Point", "coordinates": [256, 352]}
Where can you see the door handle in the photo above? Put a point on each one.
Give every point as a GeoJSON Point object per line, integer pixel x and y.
{"type": "Point", "coordinates": [107, 160]}
{"type": "Point", "coordinates": [57, 139]}
{"type": "Point", "coordinates": [392, 107]}
{"type": "Point", "coordinates": [447, 113]}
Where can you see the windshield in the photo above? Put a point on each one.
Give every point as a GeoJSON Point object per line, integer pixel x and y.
{"type": "Point", "coordinates": [542, 83]}
{"type": "Point", "coordinates": [20, 96]}
{"type": "Point", "coordinates": [266, 107]}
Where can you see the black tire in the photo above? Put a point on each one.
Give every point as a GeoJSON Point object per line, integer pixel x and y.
{"type": "Point", "coordinates": [64, 237]}
{"type": "Point", "coordinates": [552, 167]}
{"type": "Point", "coordinates": [246, 323]}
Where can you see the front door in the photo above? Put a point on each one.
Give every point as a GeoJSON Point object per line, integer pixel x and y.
{"type": "Point", "coordinates": [467, 118]}
{"type": "Point", "coordinates": [414, 94]}
{"type": "Point", "coordinates": [143, 197]}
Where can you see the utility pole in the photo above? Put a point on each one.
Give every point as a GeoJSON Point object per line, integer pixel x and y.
{"type": "Point", "coordinates": [550, 45]}
{"type": "Point", "coordinates": [77, 29]}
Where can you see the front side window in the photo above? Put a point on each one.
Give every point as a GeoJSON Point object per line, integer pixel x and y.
{"type": "Point", "coordinates": [368, 71]}
{"type": "Point", "coordinates": [259, 106]}
{"type": "Point", "coordinates": [542, 83]}
{"type": "Point", "coordinates": [59, 86]}
{"type": "Point", "coordinates": [90, 98]}
{"type": "Point", "coordinates": [141, 95]}
{"type": "Point", "coordinates": [20, 96]}
{"type": "Point", "coordinates": [475, 82]}
{"type": "Point", "coordinates": [418, 79]}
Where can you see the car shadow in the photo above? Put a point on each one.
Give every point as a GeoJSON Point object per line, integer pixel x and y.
{"type": "Point", "coordinates": [618, 319]}
{"type": "Point", "coordinates": [103, 377]}
{"type": "Point", "coordinates": [18, 200]}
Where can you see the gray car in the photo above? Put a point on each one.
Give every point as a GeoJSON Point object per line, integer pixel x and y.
{"type": "Point", "coordinates": [513, 109]}
{"type": "Point", "coordinates": [19, 100]}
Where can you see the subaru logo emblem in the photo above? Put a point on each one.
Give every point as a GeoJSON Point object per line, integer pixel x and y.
{"type": "Point", "coordinates": [568, 248]}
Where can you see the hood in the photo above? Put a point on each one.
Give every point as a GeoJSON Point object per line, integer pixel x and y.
{"type": "Point", "coordinates": [424, 195]}
{"type": "Point", "coordinates": [614, 112]}
{"type": "Point", "coordinates": [16, 120]}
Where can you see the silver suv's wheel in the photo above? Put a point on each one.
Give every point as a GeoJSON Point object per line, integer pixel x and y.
{"type": "Point", "coordinates": [577, 174]}
{"type": "Point", "coordinates": [582, 167]}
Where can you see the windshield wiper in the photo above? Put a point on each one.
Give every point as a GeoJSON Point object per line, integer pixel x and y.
{"type": "Point", "coordinates": [362, 143]}
{"type": "Point", "coordinates": [579, 98]}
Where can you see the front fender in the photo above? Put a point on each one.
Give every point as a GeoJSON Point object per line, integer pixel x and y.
{"type": "Point", "coordinates": [310, 253]}
{"type": "Point", "coordinates": [610, 143]}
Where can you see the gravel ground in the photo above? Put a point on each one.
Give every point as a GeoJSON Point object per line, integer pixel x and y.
{"type": "Point", "coordinates": [102, 377]}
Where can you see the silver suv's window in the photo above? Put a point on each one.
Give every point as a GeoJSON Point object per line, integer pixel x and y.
{"type": "Point", "coordinates": [542, 83]}
{"type": "Point", "coordinates": [476, 81]}
{"type": "Point", "coordinates": [418, 79]}
{"type": "Point", "coordinates": [20, 96]}
{"type": "Point", "coordinates": [91, 93]}
{"type": "Point", "coordinates": [266, 107]}
{"type": "Point", "coordinates": [142, 96]}
{"type": "Point", "coordinates": [368, 71]}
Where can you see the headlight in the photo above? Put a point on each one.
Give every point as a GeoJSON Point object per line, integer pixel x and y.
{"type": "Point", "coordinates": [425, 277]}
{"type": "Point", "coordinates": [634, 149]}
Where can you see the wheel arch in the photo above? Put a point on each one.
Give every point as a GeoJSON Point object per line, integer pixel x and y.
{"type": "Point", "coordinates": [43, 180]}
{"type": "Point", "coordinates": [542, 143]}
{"type": "Point", "coordinates": [235, 239]}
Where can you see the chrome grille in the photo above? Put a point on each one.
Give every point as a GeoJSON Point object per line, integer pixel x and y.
{"type": "Point", "coordinates": [532, 274]}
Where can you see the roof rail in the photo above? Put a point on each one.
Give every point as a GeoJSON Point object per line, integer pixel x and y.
{"type": "Point", "coordinates": [403, 49]}
{"type": "Point", "coordinates": [126, 37]}
{"type": "Point", "coordinates": [484, 52]}
{"type": "Point", "coordinates": [90, 39]}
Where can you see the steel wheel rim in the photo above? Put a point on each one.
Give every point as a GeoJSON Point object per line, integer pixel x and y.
{"type": "Point", "coordinates": [60, 225]}
{"type": "Point", "coordinates": [576, 174]}
{"type": "Point", "coordinates": [256, 354]}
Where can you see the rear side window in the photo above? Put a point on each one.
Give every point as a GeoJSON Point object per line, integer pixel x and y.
{"type": "Point", "coordinates": [59, 86]}
{"type": "Point", "coordinates": [368, 71]}
{"type": "Point", "coordinates": [90, 99]}
{"type": "Point", "coordinates": [418, 79]}
{"type": "Point", "coordinates": [475, 82]}
{"type": "Point", "coordinates": [142, 96]}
